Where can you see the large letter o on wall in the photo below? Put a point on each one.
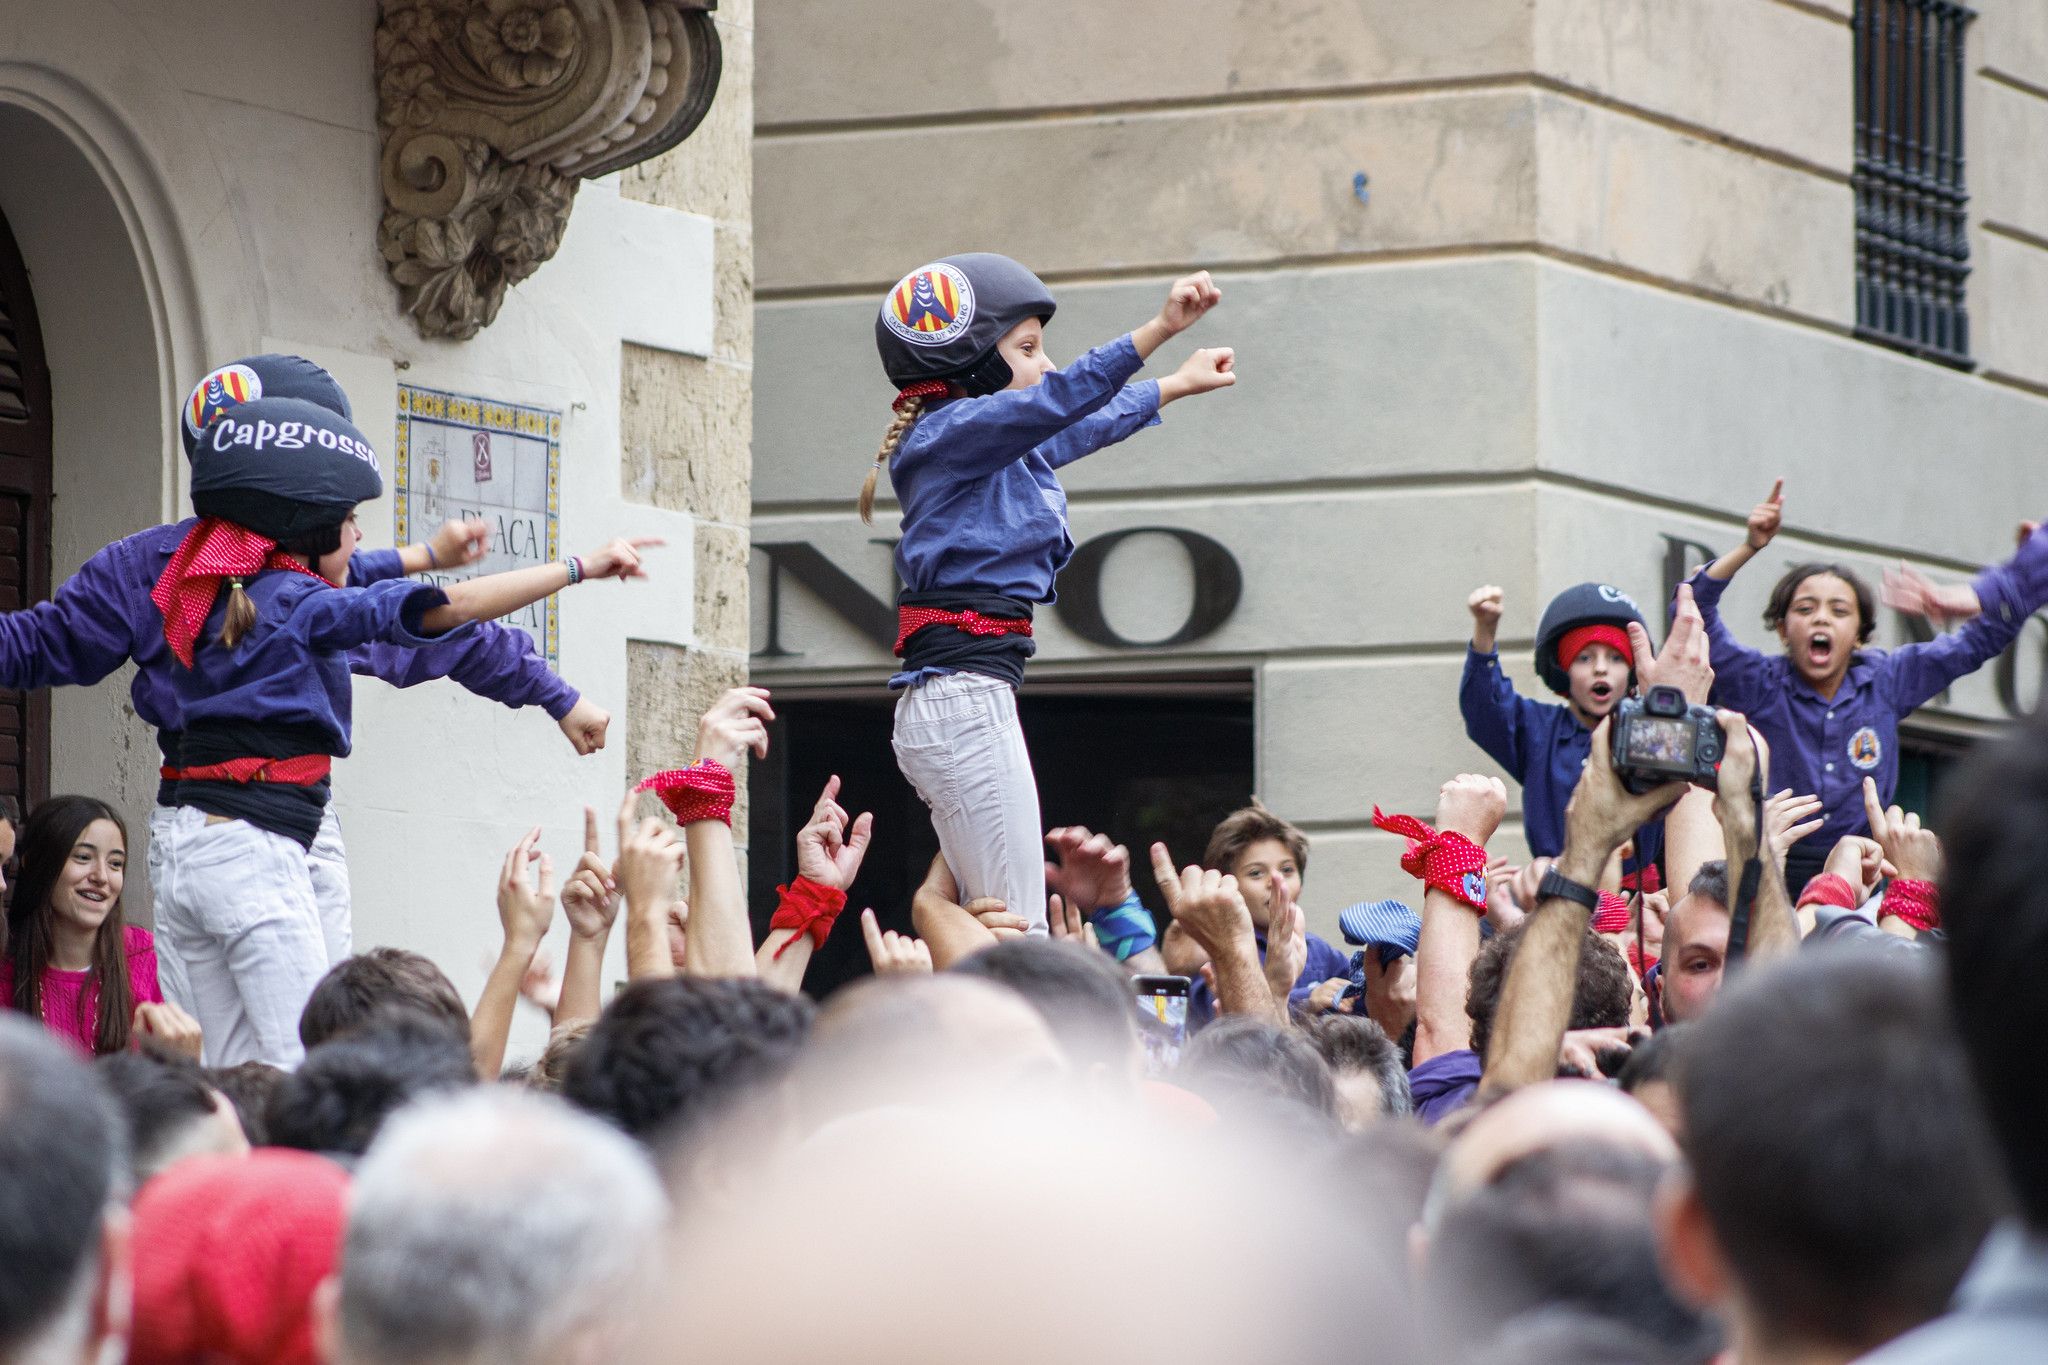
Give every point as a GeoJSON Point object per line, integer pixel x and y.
{"type": "Point", "coordinates": [1218, 585]}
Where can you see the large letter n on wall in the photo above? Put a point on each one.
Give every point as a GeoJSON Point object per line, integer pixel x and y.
{"type": "Point", "coordinates": [837, 589]}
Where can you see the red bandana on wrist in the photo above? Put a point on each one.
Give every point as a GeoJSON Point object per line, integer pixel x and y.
{"type": "Point", "coordinates": [211, 551]}
{"type": "Point", "coordinates": [703, 791]}
{"type": "Point", "coordinates": [1446, 860]}
{"type": "Point", "coordinates": [1918, 903]}
{"type": "Point", "coordinates": [1612, 916]}
{"type": "Point", "coordinates": [809, 908]}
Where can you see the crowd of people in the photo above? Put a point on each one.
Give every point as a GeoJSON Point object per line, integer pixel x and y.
{"type": "Point", "coordinates": [1734, 1067]}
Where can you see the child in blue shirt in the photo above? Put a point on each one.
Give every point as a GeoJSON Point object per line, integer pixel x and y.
{"type": "Point", "coordinates": [1829, 707]}
{"type": "Point", "coordinates": [984, 422]}
{"type": "Point", "coordinates": [1584, 653]}
{"type": "Point", "coordinates": [244, 641]}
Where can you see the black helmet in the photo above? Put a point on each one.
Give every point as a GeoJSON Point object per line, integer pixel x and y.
{"type": "Point", "coordinates": [282, 467]}
{"type": "Point", "coordinates": [942, 321]}
{"type": "Point", "coordinates": [253, 377]}
{"type": "Point", "coordinates": [1588, 604]}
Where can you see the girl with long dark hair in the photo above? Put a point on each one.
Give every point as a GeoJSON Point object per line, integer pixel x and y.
{"type": "Point", "coordinates": [72, 959]}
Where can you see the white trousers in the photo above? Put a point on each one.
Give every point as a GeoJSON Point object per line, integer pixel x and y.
{"type": "Point", "coordinates": [959, 744]}
{"type": "Point", "coordinates": [247, 923]}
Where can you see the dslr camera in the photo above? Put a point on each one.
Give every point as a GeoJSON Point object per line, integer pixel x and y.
{"type": "Point", "coordinates": [1659, 738]}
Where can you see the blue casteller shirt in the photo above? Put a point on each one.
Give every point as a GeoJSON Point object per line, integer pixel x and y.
{"type": "Point", "coordinates": [983, 509]}
{"type": "Point", "coordinates": [1544, 745]}
{"type": "Point", "coordinates": [293, 667]}
{"type": "Point", "coordinates": [1541, 743]}
{"type": "Point", "coordinates": [1827, 747]}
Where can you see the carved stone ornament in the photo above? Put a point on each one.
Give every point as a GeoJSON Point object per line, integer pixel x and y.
{"type": "Point", "coordinates": [493, 109]}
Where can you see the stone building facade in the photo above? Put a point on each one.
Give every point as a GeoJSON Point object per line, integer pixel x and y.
{"type": "Point", "coordinates": [1523, 291]}
{"type": "Point", "coordinates": [192, 181]}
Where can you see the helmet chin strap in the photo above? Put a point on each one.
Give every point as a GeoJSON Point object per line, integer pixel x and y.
{"type": "Point", "coordinates": [989, 373]}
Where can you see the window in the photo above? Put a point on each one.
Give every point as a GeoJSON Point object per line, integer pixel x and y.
{"type": "Point", "coordinates": [1912, 247]}
{"type": "Point", "coordinates": [1139, 759]}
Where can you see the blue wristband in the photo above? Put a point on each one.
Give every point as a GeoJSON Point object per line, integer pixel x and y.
{"type": "Point", "coordinates": [1126, 928]}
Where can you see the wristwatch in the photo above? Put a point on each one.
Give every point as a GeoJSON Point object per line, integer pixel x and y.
{"type": "Point", "coordinates": [1564, 888]}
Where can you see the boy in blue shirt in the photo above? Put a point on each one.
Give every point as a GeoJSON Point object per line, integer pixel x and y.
{"type": "Point", "coordinates": [1584, 654]}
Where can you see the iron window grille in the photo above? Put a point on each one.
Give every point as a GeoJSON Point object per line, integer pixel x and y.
{"type": "Point", "coordinates": [1912, 239]}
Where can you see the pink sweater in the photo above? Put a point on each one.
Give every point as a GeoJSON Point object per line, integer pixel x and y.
{"type": "Point", "coordinates": [70, 1004]}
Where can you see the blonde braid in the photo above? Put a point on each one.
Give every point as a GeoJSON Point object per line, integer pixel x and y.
{"type": "Point", "coordinates": [908, 410]}
{"type": "Point", "coordinates": [241, 615]}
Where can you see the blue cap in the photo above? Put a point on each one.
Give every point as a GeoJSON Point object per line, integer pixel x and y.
{"type": "Point", "coordinates": [1386, 924]}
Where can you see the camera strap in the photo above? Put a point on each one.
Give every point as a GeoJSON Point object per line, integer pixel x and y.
{"type": "Point", "coordinates": [1752, 877]}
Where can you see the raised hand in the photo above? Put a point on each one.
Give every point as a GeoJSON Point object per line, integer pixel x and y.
{"type": "Point", "coordinates": [1913, 850]}
{"type": "Point", "coordinates": [1472, 805]}
{"type": "Point", "coordinates": [1093, 872]}
{"type": "Point", "coordinates": [1064, 920]}
{"type": "Point", "coordinates": [1188, 301]}
{"type": "Point", "coordinates": [1766, 517]}
{"type": "Point", "coordinates": [1485, 604]}
{"type": "Point", "coordinates": [1788, 818]}
{"type": "Point", "coordinates": [734, 725]}
{"type": "Point", "coordinates": [1906, 589]}
{"type": "Point", "coordinates": [650, 860]}
{"type": "Point", "coordinates": [1742, 766]}
{"type": "Point", "coordinates": [620, 558]}
{"type": "Point", "coordinates": [540, 986]}
{"type": "Point", "coordinates": [1286, 944]}
{"type": "Point", "coordinates": [894, 954]}
{"type": "Point", "coordinates": [1203, 901]}
{"type": "Point", "coordinates": [585, 725]}
{"type": "Point", "coordinates": [1202, 372]}
{"type": "Point", "coordinates": [1602, 812]}
{"type": "Point", "coordinates": [161, 1027]}
{"type": "Point", "coordinates": [458, 544]}
{"type": "Point", "coordinates": [526, 907]}
{"type": "Point", "coordinates": [1859, 862]}
{"type": "Point", "coordinates": [591, 897]}
{"type": "Point", "coordinates": [826, 852]}
{"type": "Point", "coordinates": [1684, 662]}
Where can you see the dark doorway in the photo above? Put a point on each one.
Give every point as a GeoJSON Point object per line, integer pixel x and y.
{"type": "Point", "coordinates": [24, 515]}
{"type": "Point", "coordinates": [1140, 761]}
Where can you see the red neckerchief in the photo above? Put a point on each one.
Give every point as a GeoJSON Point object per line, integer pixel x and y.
{"type": "Point", "coordinates": [211, 551]}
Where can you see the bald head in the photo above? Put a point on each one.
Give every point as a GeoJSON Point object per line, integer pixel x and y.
{"type": "Point", "coordinates": [1553, 1114]}
{"type": "Point", "coordinates": [888, 1040]}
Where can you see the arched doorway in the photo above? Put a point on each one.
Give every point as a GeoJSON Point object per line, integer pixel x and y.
{"type": "Point", "coordinates": [25, 451]}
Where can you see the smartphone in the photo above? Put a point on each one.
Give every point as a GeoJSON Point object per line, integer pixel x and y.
{"type": "Point", "coordinates": [1162, 1019]}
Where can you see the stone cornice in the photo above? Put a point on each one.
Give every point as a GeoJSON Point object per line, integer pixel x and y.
{"type": "Point", "coordinates": [492, 110]}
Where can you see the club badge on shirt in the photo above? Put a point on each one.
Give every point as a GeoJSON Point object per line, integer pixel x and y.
{"type": "Point", "coordinates": [1865, 749]}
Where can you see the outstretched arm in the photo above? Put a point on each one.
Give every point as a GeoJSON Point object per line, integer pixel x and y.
{"type": "Point", "coordinates": [524, 910]}
{"type": "Point", "coordinates": [1493, 710]}
{"type": "Point", "coordinates": [500, 594]}
{"type": "Point", "coordinates": [1470, 805]}
{"type": "Point", "coordinates": [829, 851]}
{"type": "Point", "coordinates": [2005, 596]}
{"type": "Point", "coordinates": [721, 938]}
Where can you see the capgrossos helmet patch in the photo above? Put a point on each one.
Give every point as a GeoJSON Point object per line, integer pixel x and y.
{"type": "Point", "coordinates": [227, 387]}
{"type": "Point", "coordinates": [930, 306]}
